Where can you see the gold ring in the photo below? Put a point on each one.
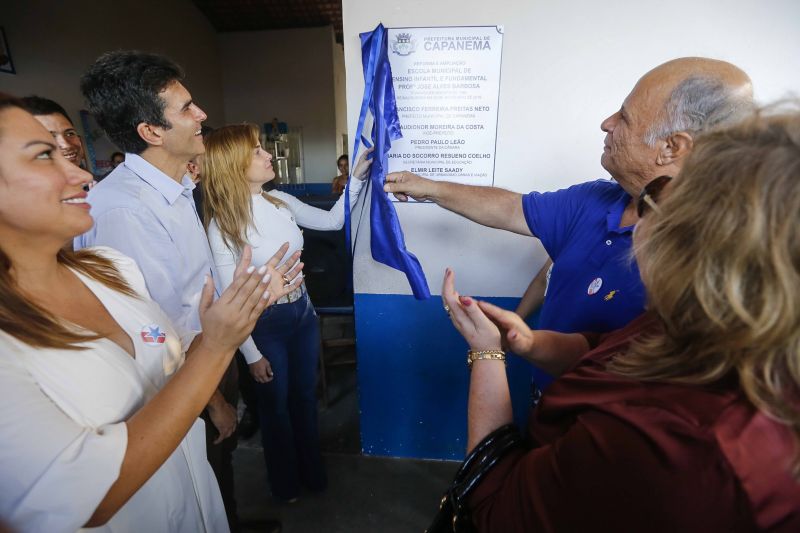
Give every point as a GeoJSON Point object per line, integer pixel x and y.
{"type": "Point", "coordinates": [286, 281]}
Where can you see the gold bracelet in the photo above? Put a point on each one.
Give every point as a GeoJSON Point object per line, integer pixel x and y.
{"type": "Point", "coordinates": [496, 355]}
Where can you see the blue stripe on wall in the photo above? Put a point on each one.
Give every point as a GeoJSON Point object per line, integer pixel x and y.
{"type": "Point", "coordinates": [306, 189]}
{"type": "Point", "coordinates": [413, 378]}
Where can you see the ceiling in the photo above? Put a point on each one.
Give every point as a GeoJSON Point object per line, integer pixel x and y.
{"type": "Point", "coordinates": [251, 15]}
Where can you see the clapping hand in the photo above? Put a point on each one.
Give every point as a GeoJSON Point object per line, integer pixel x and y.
{"type": "Point", "coordinates": [285, 278]}
{"type": "Point", "coordinates": [228, 321]}
{"type": "Point", "coordinates": [476, 328]}
{"type": "Point", "coordinates": [485, 324]}
{"type": "Point", "coordinates": [516, 335]}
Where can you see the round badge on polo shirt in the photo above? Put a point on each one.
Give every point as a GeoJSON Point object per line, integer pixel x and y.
{"type": "Point", "coordinates": [153, 335]}
{"type": "Point", "coordinates": [594, 286]}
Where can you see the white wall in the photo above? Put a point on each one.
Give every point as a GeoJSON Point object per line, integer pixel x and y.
{"type": "Point", "coordinates": [52, 44]}
{"type": "Point", "coordinates": [286, 74]}
{"type": "Point", "coordinates": [340, 97]}
{"type": "Point", "coordinates": [566, 66]}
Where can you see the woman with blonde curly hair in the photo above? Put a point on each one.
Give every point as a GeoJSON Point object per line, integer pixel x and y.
{"type": "Point", "coordinates": [283, 350]}
{"type": "Point", "coordinates": [688, 418]}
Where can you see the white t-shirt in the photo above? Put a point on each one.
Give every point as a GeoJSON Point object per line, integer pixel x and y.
{"type": "Point", "coordinates": [273, 226]}
{"type": "Point", "coordinates": [63, 426]}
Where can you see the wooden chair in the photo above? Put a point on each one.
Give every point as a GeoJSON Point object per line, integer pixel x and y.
{"type": "Point", "coordinates": [343, 340]}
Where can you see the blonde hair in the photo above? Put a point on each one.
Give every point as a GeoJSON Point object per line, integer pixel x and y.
{"type": "Point", "coordinates": [721, 264]}
{"type": "Point", "coordinates": [36, 326]}
{"type": "Point", "coordinates": [226, 193]}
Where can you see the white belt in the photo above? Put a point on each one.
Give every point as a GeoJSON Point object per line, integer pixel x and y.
{"type": "Point", "coordinates": [292, 296]}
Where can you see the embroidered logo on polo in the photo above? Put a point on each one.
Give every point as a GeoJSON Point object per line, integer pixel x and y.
{"type": "Point", "coordinates": [594, 286]}
{"type": "Point", "coordinates": [610, 295]}
{"type": "Point", "coordinates": [152, 335]}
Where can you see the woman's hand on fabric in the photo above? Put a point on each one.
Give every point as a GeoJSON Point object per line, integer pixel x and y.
{"type": "Point", "coordinates": [228, 321]}
{"type": "Point", "coordinates": [363, 164]}
{"type": "Point", "coordinates": [261, 370]}
{"type": "Point", "coordinates": [516, 335]}
{"type": "Point", "coordinates": [476, 328]}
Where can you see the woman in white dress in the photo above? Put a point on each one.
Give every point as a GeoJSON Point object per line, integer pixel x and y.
{"type": "Point", "coordinates": [283, 352]}
{"type": "Point", "coordinates": [99, 422]}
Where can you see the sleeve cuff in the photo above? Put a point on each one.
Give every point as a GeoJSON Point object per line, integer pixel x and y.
{"type": "Point", "coordinates": [356, 184]}
{"type": "Point", "coordinates": [250, 351]}
{"type": "Point", "coordinates": [527, 200]}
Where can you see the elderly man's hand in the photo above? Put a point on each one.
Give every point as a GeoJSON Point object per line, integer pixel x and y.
{"type": "Point", "coordinates": [407, 184]}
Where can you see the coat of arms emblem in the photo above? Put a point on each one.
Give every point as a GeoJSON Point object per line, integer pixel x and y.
{"type": "Point", "coordinates": [403, 44]}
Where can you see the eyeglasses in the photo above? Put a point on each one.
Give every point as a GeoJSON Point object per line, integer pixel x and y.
{"type": "Point", "coordinates": [649, 195]}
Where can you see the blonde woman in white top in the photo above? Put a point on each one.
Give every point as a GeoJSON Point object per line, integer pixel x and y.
{"type": "Point", "coordinates": [99, 421]}
{"type": "Point", "coordinates": [283, 350]}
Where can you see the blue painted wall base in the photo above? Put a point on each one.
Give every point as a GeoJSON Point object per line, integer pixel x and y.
{"type": "Point", "coordinates": [413, 378]}
{"type": "Point", "coordinates": [306, 189]}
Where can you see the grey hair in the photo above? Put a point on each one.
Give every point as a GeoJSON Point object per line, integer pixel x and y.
{"type": "Point", "coordinates": [698, 104]}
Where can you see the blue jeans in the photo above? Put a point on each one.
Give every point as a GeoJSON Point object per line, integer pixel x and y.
{"type": "Point", "coordinates": [288, 336]}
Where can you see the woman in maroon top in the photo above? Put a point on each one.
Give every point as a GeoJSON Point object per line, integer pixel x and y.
{"type": "Point", "coordinates": [688, 418]}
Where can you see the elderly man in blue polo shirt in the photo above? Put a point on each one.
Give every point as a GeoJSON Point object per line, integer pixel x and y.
{"type": "Point", "coordinates": [586, 229]}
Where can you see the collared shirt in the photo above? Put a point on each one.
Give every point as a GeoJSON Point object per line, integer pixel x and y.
{"type": "Point", "coordinates": [595, 284]}
{"type": "Point", "coordinates": [151, 218]}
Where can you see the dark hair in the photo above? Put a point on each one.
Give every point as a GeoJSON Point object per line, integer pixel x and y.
{"type": "Point", "coordinates": [37, 106]}
{"type": "Point", "coordinates": [343, 156]}
{"type": "Point", "coordinates": [115, 154]}
{"type": "Point", "coordinates": [122, 90]}
{"type": "Point", "coordinates": [7, 100]}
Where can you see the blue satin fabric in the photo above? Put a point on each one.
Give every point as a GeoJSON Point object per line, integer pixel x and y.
{"type": "Point", "coordinates": [387, 243]}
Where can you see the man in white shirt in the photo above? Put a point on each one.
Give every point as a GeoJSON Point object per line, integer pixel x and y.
{"type": "Point", "coordinates": [54, 117]}
{"type": "Point", "coordinates": [145, 209]}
